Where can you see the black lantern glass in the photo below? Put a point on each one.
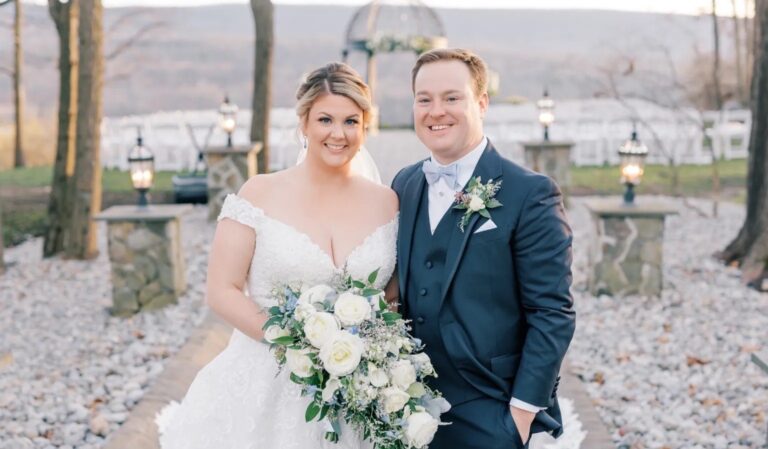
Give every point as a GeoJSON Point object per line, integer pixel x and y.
{"type": "Point", "coordinates": [141, 164]}
{"type": "Point", "coordinates": [633, 154]}
{"type": "Point", "coordinates": [546, 108]}
{"type": "Point", "coordinates": [228, 118]}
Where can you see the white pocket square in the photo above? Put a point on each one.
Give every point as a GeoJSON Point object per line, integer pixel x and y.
{"type": "Point", "coordinates": [487, 226]}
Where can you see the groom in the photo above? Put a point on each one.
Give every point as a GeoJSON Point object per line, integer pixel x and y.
{"type": "Point", "coordinates": [491, 302]}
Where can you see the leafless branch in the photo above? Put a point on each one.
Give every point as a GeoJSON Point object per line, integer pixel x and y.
{"type": "Point", "coordinates": [124, 19]}
{"type": "Point", "coordinates": [128, 43]}
{"type": "Point", "coordinates": [5, 2]}
{"type": "Point", "coordinates": [109, 79]}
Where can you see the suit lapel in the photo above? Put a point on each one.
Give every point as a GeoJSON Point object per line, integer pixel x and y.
{"type": "Point", "coordinates": [488, 167]}
{"type": "Point", "coordinates": [409, 208]}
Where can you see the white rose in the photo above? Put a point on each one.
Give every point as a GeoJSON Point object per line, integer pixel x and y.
{"type": "Point", "coordinates": [274, 332]}
{"type": "Point", "coordinates": [299, 362]}
{"type": "Point", "coordinates": [424, 364]}
{"type": "Point", "coordinates": [417, 390]}
{"type": "Point", "coordinates": [341, 353]}
{"type": "Point", "coordinates": [331, 386]}
{"type": "Point", "coordinates": [319, 327]}
{"type": "Point", "coordinates": [318, 293]}
{"type": "Point", "coordinates": [403, 374]}
{"type": "Point", "coordinates": [304, 311]}
{"type": "Point", "coordinates": [352, 309]}
{"type": "Point", "coordinates": [420, 428]}
{"type": "Point", "coordinates": [394, 399]}
{"type": "Point", "coordinates": [476, 203]}
{"type": "Point", "coordinates": [377, 376]}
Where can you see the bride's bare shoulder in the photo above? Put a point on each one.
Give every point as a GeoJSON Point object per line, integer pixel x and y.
{"type": "Point", "coordinates": [382, 196]}
{"type": "Point", "coordinates": [258, 189]}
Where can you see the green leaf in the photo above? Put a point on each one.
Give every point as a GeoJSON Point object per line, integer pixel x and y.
{"type": "Point", "coordinates": [275, 310]}
{"type": "Point", "coordinates": [460, 206]}
{"type": "Point", "coordinates": [371, 292]}
{"type": "Point", "coordinates": [358, 284]}
{"type": "Point", "coordinates": [390, 317]}
{"type": "Point", "coordinates": [383, 304]}
{"type": "Point", "coordinates": [285, 341]}
{"type": "Point", "coordinates": [484, 213]}
{"type": "Point", "coordinates": [323, 412]}
{"type": "Point", "coordinates": [296, 379]}
{"type": "Point", "coordinates": [372, 276]}
{"type": "Point", "coordinates": [312, 411]}
{"type": "Point", "coordinates": [493, 203]}
{"type": "Point", "coordinates": [272, 321]}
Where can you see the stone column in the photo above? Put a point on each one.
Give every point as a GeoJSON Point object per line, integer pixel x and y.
{"type": "Point", "coordinates": [627, 246]}
{"type": "Point", "coordinates": [228, 169]}
{"type": "Point", "coordinates": [148, 269]}
{"type": "Point", "coordinates": [552, 159]}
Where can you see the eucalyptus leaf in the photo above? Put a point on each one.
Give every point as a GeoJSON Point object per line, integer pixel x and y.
{"type": "Point", "coordinates": [312, 411]}
{"type": "Point", "coordinates": [484, 213]}
{"type": "Point", "coordinates": [372, 276]}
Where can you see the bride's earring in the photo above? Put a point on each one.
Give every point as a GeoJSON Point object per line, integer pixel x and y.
{"type": "Point", "coordinates": [304, 142]}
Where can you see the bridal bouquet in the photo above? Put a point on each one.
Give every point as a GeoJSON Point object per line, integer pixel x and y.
{"type": "Point", "coordinates": [355, 359]}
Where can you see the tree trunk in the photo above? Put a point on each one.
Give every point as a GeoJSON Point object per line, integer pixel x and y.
{"type": "Point", "coordinates": [263, 17]}
{"type": "Point", "coordinates": [65, 17]}
{"type": "Point", "coordinates": [86, 195]}
{"type": "Point", "coordinates": [738, 50]}
{"type": "Point", "coordinates": [2, 260]}
{"type": "Point", "coordinates": [750, 247]}
{"type": "Point", "coordinates": [716, 63]}
{"type": "Point", "coordinates": [18, 89]}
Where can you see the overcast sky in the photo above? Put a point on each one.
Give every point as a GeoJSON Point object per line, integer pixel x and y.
{"type": "Point", "coordinates": [664, 6]}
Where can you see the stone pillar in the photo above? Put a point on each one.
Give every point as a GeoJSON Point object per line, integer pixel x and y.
{"type": "Point", "coordinates": [626, 248]}
{"type": "Point", "coordinates": [228, 169]}
{"type": "Point", "coordinates": [552, 159]}
{"type": "Point", "coordinates": [148, 269]}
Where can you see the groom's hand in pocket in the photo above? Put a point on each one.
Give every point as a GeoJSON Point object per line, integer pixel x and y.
{"type": "Point", "coordinates": [523, 420]}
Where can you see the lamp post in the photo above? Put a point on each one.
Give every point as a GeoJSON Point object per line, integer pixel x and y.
{"type": "Point", "coordinates": [228, 118]}
{"type": "Point", "coordinates": [633, 154]}
{"type": "Point", "coordinates": [141, 163]}
{"type": "Point", "coordinates": [546, 113]}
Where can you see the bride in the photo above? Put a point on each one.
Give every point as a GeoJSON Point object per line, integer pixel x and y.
{"type": "Point", "coordinates": [310, 224]}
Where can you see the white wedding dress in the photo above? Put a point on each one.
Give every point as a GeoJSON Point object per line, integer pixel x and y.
{"type": "Point", "coordinates": [239, 401]}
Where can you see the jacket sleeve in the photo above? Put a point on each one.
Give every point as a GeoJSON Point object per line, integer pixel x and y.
{"type": "Point", "coordinates": [542, 252]}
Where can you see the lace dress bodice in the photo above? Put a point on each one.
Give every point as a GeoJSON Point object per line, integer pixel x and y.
{"type": "Point", "coordinates": [285, 255]}
{"type": "Point", "coordinates": [240, 400]}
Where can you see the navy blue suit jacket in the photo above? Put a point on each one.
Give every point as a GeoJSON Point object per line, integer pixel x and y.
{"type": "Point", "coordinates": [506, 315]}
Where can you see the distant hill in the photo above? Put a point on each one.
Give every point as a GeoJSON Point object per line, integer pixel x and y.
{"type": "Point", "coordinates": [203, 52]}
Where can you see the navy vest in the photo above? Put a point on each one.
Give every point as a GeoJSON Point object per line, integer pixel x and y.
{"type": "Point", "coordinates": [426, 277]}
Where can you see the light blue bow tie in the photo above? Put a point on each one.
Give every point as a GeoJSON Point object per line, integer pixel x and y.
{"type": "Point", "coordinates": [434, 172]}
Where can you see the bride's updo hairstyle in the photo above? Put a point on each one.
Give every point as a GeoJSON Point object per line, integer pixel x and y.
{"type": "Point", "coordinates": [334, 78]}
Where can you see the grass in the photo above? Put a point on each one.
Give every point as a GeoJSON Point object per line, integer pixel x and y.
{"type": "Point", "coordinates": [695, 180]}
{"type": "Point", "coordinates": [112, 180]}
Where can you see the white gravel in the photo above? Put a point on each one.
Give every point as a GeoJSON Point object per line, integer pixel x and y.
{"type": "Point", "coordinates": [69, 372]}
{"type": "Point", "coordinates": [675, 371]}
{"type": "Point", "coordinates": [665, 373]}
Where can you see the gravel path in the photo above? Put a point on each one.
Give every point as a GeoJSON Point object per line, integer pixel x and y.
{"type": "Point", "coordinates": [70, 373]}
{"type": "Point", "coordinates": [669, 372]}
{"type": "Point", "coordinates": [675, 371]}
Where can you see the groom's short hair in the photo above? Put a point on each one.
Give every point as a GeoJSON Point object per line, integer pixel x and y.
{"type": "Point", "coordinates": [474, 63]}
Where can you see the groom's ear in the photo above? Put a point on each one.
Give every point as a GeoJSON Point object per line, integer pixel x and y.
{"type": "Point", "coordinates": [483, 100]}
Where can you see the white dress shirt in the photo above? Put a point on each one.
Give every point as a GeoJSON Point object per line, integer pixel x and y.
{"type": "Point", "coordinates": [441, 198]}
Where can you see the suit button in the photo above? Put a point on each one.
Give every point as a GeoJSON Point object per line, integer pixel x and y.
{"type": "Point", "coordinates": [423, 292]}
{"type": "Point", "coordinates": [429, 264]}
{"type": "Point", "coordinates": [420, 320]}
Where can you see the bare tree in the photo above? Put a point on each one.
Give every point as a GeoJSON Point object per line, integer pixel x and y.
{"type": "Point", "coordinates": [750, 247]}
{"type": "Point", "coordinates": [263, 17]}
{"type": "Point", "coordinates": [2, 260]}
{"type": "Point", "coordinates": [18, 89]}
{"type": "Point", "coordinates": [65, 17]}
{"type": "Point", "coordinates": [86, 195]}
{"type": "Point", "coordinates": [738, 47]}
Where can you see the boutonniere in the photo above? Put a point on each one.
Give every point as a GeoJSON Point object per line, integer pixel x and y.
{"type": "Point", "coordinates": [477, 198]}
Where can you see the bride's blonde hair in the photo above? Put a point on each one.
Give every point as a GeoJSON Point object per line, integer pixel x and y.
{"type": "Point", "coordinates": [334, 78]}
